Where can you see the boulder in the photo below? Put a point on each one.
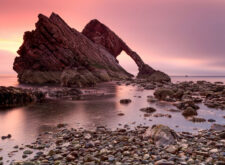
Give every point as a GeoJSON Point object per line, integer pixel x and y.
{"type": "Point", "coordinates": [186, 104]}
{"type": "Point", "coordinates": [161, 135]}
{"type": "Point", "coordinates": [189, 111]}
{"type": "Point", "coordinates": [164, 94]}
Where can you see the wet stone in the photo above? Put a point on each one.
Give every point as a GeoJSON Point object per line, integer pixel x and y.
{"type": "Point", "coordinates": [189, 111]}
{"type": "Point", "coordinates": [27, 152]}
{"type": "Point", "coordinates": [125, 101]}
{"type": "Point", "coordinates": [211, 120]}
{"type": "Point", "coordinates": [164, 162]}
{"type": "Point", "coordinates": [148, 110]}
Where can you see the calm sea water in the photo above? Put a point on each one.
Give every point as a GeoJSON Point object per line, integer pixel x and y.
{"type": "Point", "coordinates": [197, 78]}
{"type": "Point", "coordinates": [11, 80]}
{"type": "Point", "coordinates": [26, 123]}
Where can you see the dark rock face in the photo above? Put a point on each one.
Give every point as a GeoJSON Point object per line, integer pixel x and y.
{"type": "Point", "coordinates": [56, 53]}
{"type": "Point", "coordinates": [14, 97]}
{"type": "Point", "coordinates": [102, 35]}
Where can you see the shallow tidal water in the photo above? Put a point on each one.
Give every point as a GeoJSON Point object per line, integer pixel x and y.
{"type": "Point", "coordinates": [26, 123]}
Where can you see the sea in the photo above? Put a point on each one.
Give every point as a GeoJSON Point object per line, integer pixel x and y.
{"type": "Point", "coordinates": [26, 123]}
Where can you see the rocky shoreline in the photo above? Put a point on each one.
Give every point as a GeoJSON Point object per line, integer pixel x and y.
{"type": "Point", "coordinates": [158, 145]}
{"type": "Point", "coordinates": [185, 96]}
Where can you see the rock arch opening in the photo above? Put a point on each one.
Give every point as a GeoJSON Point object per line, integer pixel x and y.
{"type": "Point", "coordinates": [127, 63]}
{"type": "Point", "coordinates": [102, 35]}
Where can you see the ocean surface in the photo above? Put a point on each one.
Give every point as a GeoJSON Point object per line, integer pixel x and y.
{"type": "Point", "coordinates": [26, 123]}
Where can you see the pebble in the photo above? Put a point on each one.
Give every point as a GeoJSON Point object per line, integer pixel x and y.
{"type": "Point", "coordinates": [27, 152]}
{"type": "Point", "coordinates": [6, 137]}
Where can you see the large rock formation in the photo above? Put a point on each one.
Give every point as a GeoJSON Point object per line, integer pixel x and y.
{"type": "Point", "coordinates": [102, 35]}
{"type": "Point", "coordinates": [56, 53]}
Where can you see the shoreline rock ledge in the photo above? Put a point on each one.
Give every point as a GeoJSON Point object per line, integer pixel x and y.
{"type": "Point", "coordinates": [58, 54]}
{"type": "Point", "coordinates": [11, 97]}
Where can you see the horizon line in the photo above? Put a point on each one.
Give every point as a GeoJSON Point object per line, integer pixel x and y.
{"type": "Point", "coordinates": [196, 76]}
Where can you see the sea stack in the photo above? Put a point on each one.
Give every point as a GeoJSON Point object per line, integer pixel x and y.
{"type": "Point", "coordinates": [58, 54]}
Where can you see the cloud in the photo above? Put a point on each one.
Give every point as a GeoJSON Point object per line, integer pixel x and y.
{"type": "Point", "coordinates": [176, 36]}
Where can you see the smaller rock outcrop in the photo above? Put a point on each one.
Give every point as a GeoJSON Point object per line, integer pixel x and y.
{"type": "Point", "coordinates": [161, 135]}
{"type": "Point", "coordinates": [14, 97]}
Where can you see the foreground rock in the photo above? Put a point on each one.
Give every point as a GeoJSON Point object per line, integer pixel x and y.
{"type": "Point", "coordinates": [56, 53]}
{"type": "Point", "coordinates": [161, 135]}
{"type": "Point", "coordinates": [103, 146]}
{"type": "Point", "coordinates": [14, 97]}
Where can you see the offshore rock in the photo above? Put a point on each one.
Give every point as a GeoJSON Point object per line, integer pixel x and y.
{"type": "Point", "coordinates": [56, 53]}
{"type": "Point", "coordinates": [102, 35]}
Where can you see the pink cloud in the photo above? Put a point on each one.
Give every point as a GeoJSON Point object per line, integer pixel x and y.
{"type": "Point", "coordinates": [159, 30]}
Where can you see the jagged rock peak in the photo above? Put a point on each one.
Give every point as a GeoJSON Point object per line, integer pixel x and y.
{"type": "Point", "coordinates": [57, 53]}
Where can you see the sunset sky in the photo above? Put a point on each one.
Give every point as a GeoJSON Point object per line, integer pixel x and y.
{"type": "Point", "coordinates": [179, 37]}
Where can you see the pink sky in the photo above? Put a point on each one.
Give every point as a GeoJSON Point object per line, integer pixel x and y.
{"type": "Point", "coordinates": [176, 36]}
